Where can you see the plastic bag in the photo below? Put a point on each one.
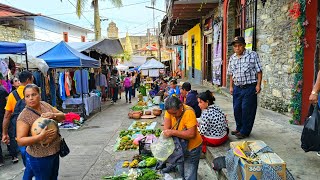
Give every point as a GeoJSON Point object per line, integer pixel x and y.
{"type": "Point", "coordinates": [310, 138]}
{"type": "Point", "coordinates": [162, 148]}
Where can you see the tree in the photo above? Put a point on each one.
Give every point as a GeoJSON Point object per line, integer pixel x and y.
{"type": "Point", "coordinates": [95, 4]}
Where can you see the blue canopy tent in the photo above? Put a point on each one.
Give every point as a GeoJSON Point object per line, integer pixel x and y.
{"type": "Point", "coordinates": [13, 48]}
{"type": "Point", "coordinates": [63, 56]}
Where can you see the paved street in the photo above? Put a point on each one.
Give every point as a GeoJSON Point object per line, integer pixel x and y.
{"type": "Point", "coordinates": [92, 148]}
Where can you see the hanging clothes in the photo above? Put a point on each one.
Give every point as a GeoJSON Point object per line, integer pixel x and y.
{"type": "Point", "coordinates": [4, 69]}
{"type": "Point", "coordinates": [40, 83]}
{"type": "Point", "coordinates": [67, 83]}
{"type": "Point", "coordinates": [92, 82]}
{"type": "Point", "coordinates": [61, 87]}
{"type": "Point", "coordinates": [101, 80]}
{"type": "Point", "coordinates": [47, 84]}
{"type": "Point", "coordinates": [81, 86]}
{"type": "Point", "coordinates": [53, 88]}
{"type": "Point", "coordinates": [6, 84]}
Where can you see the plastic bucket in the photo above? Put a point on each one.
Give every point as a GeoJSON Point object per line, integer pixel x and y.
{"type": "Point", "coordinates": [157, 99]}
{"type": "Point", "coordinates": [161, 105]}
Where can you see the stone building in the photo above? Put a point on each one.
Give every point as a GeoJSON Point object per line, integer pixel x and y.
{"type": "Point", "coordinates": [283, 33]}
{"type": "Point", "coordinates": [113, 32]}
{"type": "Point", "coordinates": [138, 42]}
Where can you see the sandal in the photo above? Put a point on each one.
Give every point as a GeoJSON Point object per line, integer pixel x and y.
{"type": "Point", "coordinates": [15, 160]}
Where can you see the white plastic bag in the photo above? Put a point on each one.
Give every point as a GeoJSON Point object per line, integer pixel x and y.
{"type": "Point", "coordinates": [162, 148]}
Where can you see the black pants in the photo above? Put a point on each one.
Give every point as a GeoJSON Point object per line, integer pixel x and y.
{"type": "Point", "coordinates": [115, 94]}
{"type": "Point", "coordinates": [128, 93]}
{"type": "Point", "coordinates": [245, 107]}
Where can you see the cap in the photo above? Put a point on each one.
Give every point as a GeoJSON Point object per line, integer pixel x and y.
{"type": "Point", "coordinates": [238, 39]}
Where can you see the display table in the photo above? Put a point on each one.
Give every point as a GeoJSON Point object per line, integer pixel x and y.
{"type": "Point", "coordinates": [90, 103]}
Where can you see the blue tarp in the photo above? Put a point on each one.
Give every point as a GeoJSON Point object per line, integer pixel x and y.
{"type": "Point", "coordinates": [63, 56]}
{"type": "Point", "coordinates": [12, 48]}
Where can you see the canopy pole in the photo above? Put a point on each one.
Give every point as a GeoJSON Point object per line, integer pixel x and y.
{"type": "Point", "coordinates": [83, 108]}
{"type": "Point", "coordinates": [26, 54]}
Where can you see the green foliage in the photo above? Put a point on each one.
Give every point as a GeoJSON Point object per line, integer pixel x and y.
{"type": "Point", "coordinates": [299, 35]}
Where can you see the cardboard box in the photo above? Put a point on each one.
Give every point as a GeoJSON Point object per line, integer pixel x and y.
{"type": "Point", "coordinates": [248, 171]}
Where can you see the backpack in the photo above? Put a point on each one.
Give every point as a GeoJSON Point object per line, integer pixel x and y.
{"type": "Point", "coordinates": [113, 82]}
{"type": "Point", "coordinates": [127, 82]}
{"type": "Point", "coordinates": [20, 105]}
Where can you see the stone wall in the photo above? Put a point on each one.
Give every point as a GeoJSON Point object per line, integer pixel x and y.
{"type": "Point", "coordinates": [275, 46]}
{"type": "Point", "coordinates": [138, 42]}
{"type": "Point", "coordinates": [231, 31]}
{"type": "Point", "coordinates": [14, 34]}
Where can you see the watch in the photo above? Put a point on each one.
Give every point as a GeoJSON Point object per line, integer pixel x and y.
{"type": "Point", "coordinates": [314, 93]}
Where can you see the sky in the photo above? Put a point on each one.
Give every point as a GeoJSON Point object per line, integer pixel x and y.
{"type": "Point", "coordinates": [133, 17]}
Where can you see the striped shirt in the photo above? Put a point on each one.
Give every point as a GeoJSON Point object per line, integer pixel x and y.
{"type": "Point", "coordinates": [244, 69]}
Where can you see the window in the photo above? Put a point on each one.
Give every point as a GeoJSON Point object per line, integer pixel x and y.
{"type": "Point", "coordinates": [248, 21]}
{"type": "Point", "coordinates": [65, 36]}
{"type": "Point", "coordinates": [83, 39]}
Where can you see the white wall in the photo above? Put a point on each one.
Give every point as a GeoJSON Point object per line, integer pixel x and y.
{"type": "Point", "coordinates": [50, 30]}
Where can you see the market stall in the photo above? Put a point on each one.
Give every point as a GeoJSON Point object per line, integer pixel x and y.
{"type": "Point", "coordinates": [63, 57]}
{"type": "Point", "coordinates": [151, 68]}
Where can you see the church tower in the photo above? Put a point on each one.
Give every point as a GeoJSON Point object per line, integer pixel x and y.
{"type": "Point", "coordinates": [112, 31]}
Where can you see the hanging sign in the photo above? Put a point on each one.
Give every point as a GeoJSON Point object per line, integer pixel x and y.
{"type": "Point", "coordinates": [248, 36]}
{"type": "Point", "coordinates": [217, 54]}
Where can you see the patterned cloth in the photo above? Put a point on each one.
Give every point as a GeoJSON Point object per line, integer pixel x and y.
{"type": "Point", "coordinates": [244, 69]}
{"type": "Point", "coordinates": [213, 122]}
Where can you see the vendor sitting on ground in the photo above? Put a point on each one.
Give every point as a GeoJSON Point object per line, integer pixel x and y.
{"type": "Point", "coordinates": [213, 125]}
{"type": "Point", "coordinates": [174, 89]}
{"type": "Point", "coordinates": [180, 121]}
{"type": "Point", "coordinates": [189, 97]}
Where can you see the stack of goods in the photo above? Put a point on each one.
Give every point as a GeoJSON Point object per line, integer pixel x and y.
{"type": "Point", "coordinates": [126, 143]}
{"type": "Point", "coordinates": [72, 121]}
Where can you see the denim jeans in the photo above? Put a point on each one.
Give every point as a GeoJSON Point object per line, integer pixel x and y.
{"type": "Point", "coordinates": [128, 91]}
{"type": "Point", "coordinates": [245, 108]}
{"type": "Point", "coordinates": [189, 168]}
{"type": "Point", "coordinates": [133, 91]}
{"type": "Point", "coordinates": [23, 154]}
{"type": "Point", "coordinates": [115, 94]}
{"type": "Point", "coordinates": [44, 168]}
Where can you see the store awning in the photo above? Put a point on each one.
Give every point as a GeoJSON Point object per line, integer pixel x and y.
{"type": "Point", "coordinates": [64, 56]}
{"type": "Point", "coordinates": [152, 64]}
{"type": "Point", "coordinates": [184, 15]}
{"type": "Point", "coordinates": [12, 48]}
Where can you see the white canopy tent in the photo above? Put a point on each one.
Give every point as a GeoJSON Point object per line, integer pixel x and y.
{"type": "Point", "coordinates": [122, 67]}
{"type": "Point", "coordinates": [152, 64]}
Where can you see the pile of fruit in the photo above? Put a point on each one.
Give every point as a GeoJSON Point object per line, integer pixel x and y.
{"type": "Point", "coordinates": [127, 133]}
{"type": "Point", "coordinates": [141, 103]}
{"type": "Point", "coordinates": [126, 143]}
{"type": "Point", "coordinates": [141, 125]}
{"type": "Point", "coordinates": [156, 132]}
{"type": "Point", "coordinates": [139, 161]}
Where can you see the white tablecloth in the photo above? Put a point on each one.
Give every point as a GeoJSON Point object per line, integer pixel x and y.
{"type": "Point", "coordinates": [90, 103]}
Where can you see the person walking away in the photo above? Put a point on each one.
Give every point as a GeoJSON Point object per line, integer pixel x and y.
{"type": "Point", "coordinates": [128, 87]}
{"type": "Point", "coordinates": [114, 84]}
{"type": "Point", "coordinates": [42, 160]}
{"type": "Point", "coordinates": [14, 106]}
{"type": "Point", "coordinates": [133, 81]}
{"type": "Point", "coordinates": [245, 73]}
{"type": "Point", "coordinates": [121, 88]}
{"type": "Point", "coordinates": [3, 100]}
{"type": "Point", "coordinates": [15, 83]}
{"type": "Point", "coordinates": [180, 121]}
{"type": "Point", "coordinates": [138, 81]}
{"type": "Point", "coordinates": [189, 98]}
{"type": "Point", "coordinates": [213, 125]}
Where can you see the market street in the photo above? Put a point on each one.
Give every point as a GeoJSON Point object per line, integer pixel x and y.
{"type": "Point", "coordinates": [92, 148]}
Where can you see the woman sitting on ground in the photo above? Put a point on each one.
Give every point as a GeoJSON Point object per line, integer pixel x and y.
{"type": "Point", "coordinates": [42, 161]}
{"type": "Point", "coordinates": [213, 125]}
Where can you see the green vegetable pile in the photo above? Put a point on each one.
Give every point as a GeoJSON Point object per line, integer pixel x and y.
{"type": "Point", "coordinates": [148, 174]}
{"type": "Point", "coordinates": [125, 133]}
{"type": "Point", "coordinates": [120, 177]}
{"type": "Point", "coordinates": [156, 132]}
{"type": "Point", "coordinates": [137, 108]}
{"type": "Point", "coordinates": [151, 161]}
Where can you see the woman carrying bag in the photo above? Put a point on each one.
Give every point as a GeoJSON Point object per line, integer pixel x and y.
{"type": "Point", "coordinates": [180, 121]}
{"type": "Point", "coordinates": [42, 160]}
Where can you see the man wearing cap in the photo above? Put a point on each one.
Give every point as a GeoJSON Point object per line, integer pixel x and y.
{"type": "Point", "coordinates": [245, 73]}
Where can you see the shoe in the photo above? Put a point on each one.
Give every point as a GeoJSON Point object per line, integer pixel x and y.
{"type": "Point", "coordinates": [1, 162]}
{"type": "Point", "coordinates": [112, 102]}
{"type": "Point", "coordinates": [126, 101]}
{"type": "Point", "coordinates": [15, 160]}
{"type": "Point", "coordinates": [241, 136]}
{"type": "Point", "coordinates": [234, 132]}
{"type": "Point", "coordinates": [129, 101]}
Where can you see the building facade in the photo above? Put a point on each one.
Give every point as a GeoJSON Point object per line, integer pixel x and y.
{"type": "Point", "coordinates": [113, 31]}
{"type": "Point", "coordinates": [282, 32]}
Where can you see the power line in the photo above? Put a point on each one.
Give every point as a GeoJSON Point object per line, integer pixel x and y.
{"type": "Point", "coordinates": [100, 9]}
{"type": "Point", "coordinates": [81, 13]}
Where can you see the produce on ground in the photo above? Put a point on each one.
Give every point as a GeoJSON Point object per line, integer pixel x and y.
{"type": "Point", "coordinates": [127, 133]}
{"type": "Point", "coordinates": [134, 164]}
{"type": "Point", "coordinates": [141, 125]}
{"type": "Point", "coordinates": [138, 108]}
{"type": "Point", "coordinates": [137, 157]}
{"type": "Point", "coordinates": [120, 177]}
{"type": "Point", "coordinates": [126, 143]}
{"type": "Point", "coordinates": [141, 103]}
{"type": "Point", "coordinates": [151, 161]}
{"type": "Point", "coordinates": [148, 174]}
{"type": "Point", "coordinates": [125, 164]}
{"type": "Point", "coordinates": [142, 164]}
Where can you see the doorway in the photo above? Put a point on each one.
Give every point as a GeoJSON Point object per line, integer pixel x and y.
{"type": "Point", "coordinates": [192, 57]}
{"type": "Point", "coordinates": [209, 63]}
